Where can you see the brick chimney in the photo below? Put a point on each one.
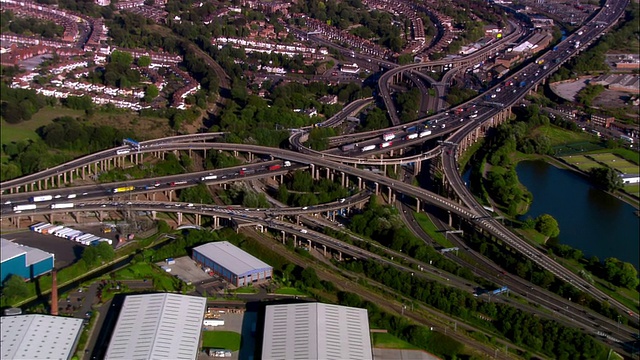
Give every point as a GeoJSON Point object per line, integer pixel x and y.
{"type": "Point", "coordinates": [54, 293]}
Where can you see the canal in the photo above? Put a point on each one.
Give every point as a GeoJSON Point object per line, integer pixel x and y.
{"type": "Point", "coordinates": [590, 219]}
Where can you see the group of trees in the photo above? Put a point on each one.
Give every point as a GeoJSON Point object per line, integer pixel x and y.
{"type": "Point", "coordinates": [420, 336]}
{"type": "Point", "coordinates": [17, 105]}
{"type": "Point", "coordinates": [385, 28]}
{"type": "Point", "coordinates": [516, 263]}
{"type": "Point", "coordinates": [589, 93]}
{"type": "Point", "coordinates": [301, 190]}
{"type": "Point", "coordinates": [605, 178]}
{"type": "Point", "coordinates": [68, 133]}
{"type": "Point", "coordinates": [29, 26]}
{"type": "Point", "coordinates": [240, 193]}
{"type": "Point", "coordinates": [408, 103]}
{"type": "Point", "coordinates": [520, 327]}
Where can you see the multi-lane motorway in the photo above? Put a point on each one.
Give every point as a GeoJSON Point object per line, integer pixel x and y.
{"type": "Point", "coordinates": [501, 96]}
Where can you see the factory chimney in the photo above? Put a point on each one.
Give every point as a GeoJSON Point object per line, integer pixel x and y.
{"type": "Point", "coordinates": [54, 293]}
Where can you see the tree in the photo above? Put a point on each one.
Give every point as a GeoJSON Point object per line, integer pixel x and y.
{"type": "Point", "coordinates": [15, 288]}
{"type": "Point", "coordinates": [605, 178]}
{"type": "Point", "coordinates": [547, 225]}
{"type": "Point", "coordinates": [143, 61]}
{"type": "Point", "coordinates": [151, 92]}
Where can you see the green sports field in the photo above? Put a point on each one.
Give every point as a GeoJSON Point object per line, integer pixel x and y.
{"type": "Point", "coordinates": [615, 162]}
{"type": "Point", "coordinates": [581, 162]}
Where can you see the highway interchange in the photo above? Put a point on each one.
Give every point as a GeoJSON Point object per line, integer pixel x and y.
{"type": "Point", "coordinates": [462, 123]}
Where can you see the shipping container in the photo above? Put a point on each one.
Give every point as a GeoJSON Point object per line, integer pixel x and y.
{"type": "Point", "coordinates": [122, 151]}
{"type": "Point", "coordinates": [43, 229]}
{"type": "Point", "coordinates": [274, 167]}
{"type": "Point", "coordinates": [52, 229]}
{"type": "Point", "coordinates": [411, 136]}
{"type": "Point", "coordinates": [209, 177]}
{"type": "Point", "coordinates": [123, 189]}
{"type": "Point", "coordinates": [39, 227]}
{"type": "Point", "coordinates": [388, 136]}
{"type": "Point", "coordinates": [32, 227]}
{"type": "Point", "coordinates": [368, 147]}
{"type": "Point", "coordinates": [385, 144]}
{"type": "Point", "coordinates": [425, 133]}
{"type": "Point", "coordinates": [108, 241]}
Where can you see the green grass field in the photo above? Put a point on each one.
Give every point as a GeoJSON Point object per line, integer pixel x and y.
{"type": "Point", "coordinates": [580, 161]}
{"type": "Point", "coordinates": [228, 340]}
{"type": "Point", "coordinates": [289, 291]}
{"type": "Point", "coordinates": [615, 162]}
{"type": "Point", "coordinates": [386, 340]}
{"type": "Point", "coordinates": [27, 129]}
{"type": "Point", "coordinates": [427, 225]}
{"type": "Point", "coordinates": [560, 136]}
{"type": "Point", "coordinates": [246, 290]}
{"type": "Point", "coordinates": [633, 189]}
{"type": "Point", "coordinates": [161, 279]}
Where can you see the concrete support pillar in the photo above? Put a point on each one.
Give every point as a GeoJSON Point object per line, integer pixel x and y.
{"type": "Point", "coordinates": [339, 255]}
{"type": "Point", "coordinates": [312, 168]}
{"type": "Point", "coordinates": [298, 220]}
{"type": "Point", "coordinates": [170, 195]}
{"type": "Point", "coordinates": [250, 157]}
{"type": "Point", "coordinates": [343, 178]}
{"type": "Point", "coordinates": [281, 179]}
{"type": "Point", "coordinates": [359, 183]}
{"type": "Point", "coordinates": [328, 173]}
{"type": "Point", "coordinates": [179, 218]}
{"type": "Point", "coordinates": [418, 205]}
{"type": "Point", "coordinates": [389, 196]}
{"type": "Point", "coordinates": [309, 243]}
{"type": "Point", "coordinates": [198, 219]}
{"type": "Point", "coordinates": [283, 237]}
{"type": "Point", "coordinates": [216, 222]}
{"type": "Point", "coordinates": [295, 240]}
{"type": "Point", "coordinates": [154, 214]}
{"type": "Point", "coordinates": [450, 218]}
{"type": "Point", "coordinates": [377, 188]}
{"type": "Point", "coordinates": [324, 250]}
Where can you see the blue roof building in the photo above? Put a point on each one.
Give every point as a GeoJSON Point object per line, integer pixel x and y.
{"type": "Point", "coordinates": [23, 260]}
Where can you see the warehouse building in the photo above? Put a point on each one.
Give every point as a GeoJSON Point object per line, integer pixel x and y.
{"type": "Point", "coordinates": [39, 336]}
{"type": "Point", "coordinates": [158, 326]}
{"type": "Point", "coordinates": [23, 260]}
{"type": "Point", "coordinates": [316, 331]}
{"type": "Point", "coordinates": [233, 264]}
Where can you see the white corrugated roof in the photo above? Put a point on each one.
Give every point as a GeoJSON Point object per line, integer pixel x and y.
{"type": "Point", "coordinates": [158, 326]}
{"type": "Point", "coordinates": [38, 336]}
{"type": "Point", "coordinates": [10, 250]}
{"type": "Point", "coordinates": [231, 257]}
{"type": "Point", "coordinates": [316, 331]}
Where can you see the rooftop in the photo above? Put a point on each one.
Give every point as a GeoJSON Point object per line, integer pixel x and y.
{"type": "Point", "coordinates": [158, 326]}
{"type": "Point", "coordinates": [316, 331]}
{"type": "Point", "coordinates": [231, 257]}
{"type": "Point", "coordinates": [10, 250]}
{"type": "Point", "coordinates": [38, 336]}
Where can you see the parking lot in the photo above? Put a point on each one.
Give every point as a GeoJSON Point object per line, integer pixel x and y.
{"type": "Point", "coordinates": [65, 251]}
{"type": "Point", "coordinates": [188, 271]}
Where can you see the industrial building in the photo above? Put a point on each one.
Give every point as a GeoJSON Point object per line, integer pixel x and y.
{"type": "Point", "coordinates": [38, 336]}
{"type": "Point", "coordinates": [233, 264]}
{"type": "Point", "coordinates": [23, 260]}
{"type": "Point", "coordinates": [158, 326]}
{"type": "Point", "coordinates": [316, 331]}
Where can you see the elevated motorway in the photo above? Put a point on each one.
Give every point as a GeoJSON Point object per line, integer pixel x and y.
{"type": "Point", "coordinates": [394, 74]}
{"type": "Point", "coordinates": [98, 156]}
{"type": "Point", "coordinates": [532, 75]}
